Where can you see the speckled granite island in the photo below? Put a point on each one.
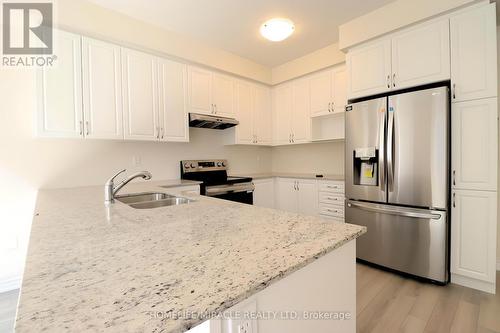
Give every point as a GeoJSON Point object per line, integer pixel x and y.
{"type": "Point", "coordinates": [92, 268]}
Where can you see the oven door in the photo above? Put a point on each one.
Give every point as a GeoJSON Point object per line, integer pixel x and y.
{"type": "Point", "coordinates": [242, 192]}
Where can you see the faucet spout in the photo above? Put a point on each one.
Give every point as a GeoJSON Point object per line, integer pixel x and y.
{"type": "Point", "coordinates": [110, 190]}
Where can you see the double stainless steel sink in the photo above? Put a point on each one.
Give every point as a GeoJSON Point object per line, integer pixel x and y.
{"type": "Point", "coordinates": [150, 200]}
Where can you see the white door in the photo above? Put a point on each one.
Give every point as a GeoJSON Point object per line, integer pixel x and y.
{"type": "Point", "coordinates": [301, 116]}
{"type": "Point", "coordinates": [474, 144]}
{"type": "Point", "coordinates": [321, 93]}
{"type": "Point", "coordinates": [473, 234]}
{"type": "Point", "coordinates": [60, 91]}
{"type": "Point", "coordinates": [102, 90]}
{"type": "Point", "coordinates": [339, 89]}
{"type": "Point", "coordinates": [308, 196]}
{"type": "Point", "coordinates": [263, 196]}
{"type": "Point", "coordinates": [263, 116]}
{"type": "Point", "coordinates": [421, 55]}
{"type": "Point", "coordinates": [369, 68]}
{"type": "Point", "coordinates": [223, 93]}
{"type": "Point", "coordinates": [286, 195]}
{"type": "Point", "coordinates": [282, 114]}
{"type": "Point", "coordinates": [200, 90]}
{"type": "Point", "coordinates": [140, 95]}
{"type": "Point", "coordinates": [244, 113]}
{"type": "Point", "coordinates": [173, 99]}
{"type": "Point", "coordinates": [474, 54]}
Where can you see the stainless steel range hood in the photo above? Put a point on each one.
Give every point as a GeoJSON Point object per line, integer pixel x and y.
{"type": "Point", "coordinates": [214, 122]}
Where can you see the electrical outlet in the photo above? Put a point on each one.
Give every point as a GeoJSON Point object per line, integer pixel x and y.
{"type": "Point", "coordinates": [245, 327]}
{"type": "Point", "coordinates": [137, 161]}
{"type": "Point", "coordinates": [245, 324]}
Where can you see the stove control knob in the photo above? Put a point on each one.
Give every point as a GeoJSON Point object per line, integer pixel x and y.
{"type": "Point", "coordinates": [223, 164]}
{"type": "Point", "coordinates": [219, 164]}
{"type": "Point", "coordinates": [192, 165]}
{"type": "Point", "coordinates": [186, 165]}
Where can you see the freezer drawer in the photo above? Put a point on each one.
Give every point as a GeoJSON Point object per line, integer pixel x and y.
{"type": "Point", "coordinates": [409, 240]}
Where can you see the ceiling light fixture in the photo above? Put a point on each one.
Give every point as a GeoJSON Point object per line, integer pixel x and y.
{"type": "Point", "coordinates": [277, 29]}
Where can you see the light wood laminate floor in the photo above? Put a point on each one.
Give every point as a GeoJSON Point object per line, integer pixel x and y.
{"type": "Point", "coordinates": [387, 302]}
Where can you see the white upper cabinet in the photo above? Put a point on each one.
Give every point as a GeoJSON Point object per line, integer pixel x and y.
{"type": "Point", "coordinates": [102, 90]}
{"type": "Point", "coordinates": [339, 89]}
{"type": "Point", "coordinates": [475, 144]}
{"type": "Point", "coordinates": [301, 117]}
{"type": "Point", "coordinates": [210, 93]}
{"type": "Point", "coordinates": [60, 91]}
{"type": "Point", "coordinates": [263, 116]}
{"type": "Point", "coordinates": [328, 91]}
{"type": "Point", "coordinates": [173, 116]}
{"type": "Point", "coordinates": [200, 91]}
{"type": "Point", "coordinates": [245, 114]}
{"type": "Point", "coordinates": [369, 68]}
{"type": "Point", "coordinates": [282, 99]}
{"type": "Point", "coordinates": [223, 95]}
{"type": "Point", "coordinates": [321, 93]}
{"type": "Point", "coordinates": [473, 235]}
{"type": "Point", "coordinates": [140, 106]}
{"type": "Point", "coordinates": [474, 54]}
{"type": "Point", "coordinates": [421, 55]}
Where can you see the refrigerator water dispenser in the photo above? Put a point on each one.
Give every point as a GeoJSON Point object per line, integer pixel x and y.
{"type": "Point", "coordinates": [365, 162]}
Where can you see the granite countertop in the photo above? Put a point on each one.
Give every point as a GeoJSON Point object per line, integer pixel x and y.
{"type": "Point", "coordinates": [93, 268]}
{"type": "Point", "coordinates": [293, 175]}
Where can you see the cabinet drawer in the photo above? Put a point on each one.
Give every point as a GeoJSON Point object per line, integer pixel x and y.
{"type": "Point", "coordinates": [331, 210]}
{"type": "Point", "coordinates": [334, 187]}
{"type": "Point", "coordinates": [333, 218]}
{"type": "Point", "coordinates": [336, 199]}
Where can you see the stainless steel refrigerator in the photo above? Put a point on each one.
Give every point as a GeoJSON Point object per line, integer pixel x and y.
{"type": "Point", "coordinates": [397, 172]}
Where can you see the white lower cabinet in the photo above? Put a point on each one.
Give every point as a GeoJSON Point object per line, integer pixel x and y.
{"type": "Point", "coordinates": [473, 238]}
{"type": "Point", "coordinates": [297, 195]}
{"type": "Point", "coordinates": [263, 195]}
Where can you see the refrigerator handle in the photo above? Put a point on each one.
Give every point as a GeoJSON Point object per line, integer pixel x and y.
{"type": "Point", "coordinates": [381, 155]}
{"type": "Point", "coordinates": [393, 211]}
{"type": "Point", "coordinates": [390, 151]}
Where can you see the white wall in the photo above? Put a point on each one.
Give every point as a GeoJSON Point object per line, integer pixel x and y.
{"type": "Point", "coordinates": [324, 158]}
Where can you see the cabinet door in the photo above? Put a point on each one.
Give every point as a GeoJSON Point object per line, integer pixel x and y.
{"type": "Point", "coordinates": [474, 144]}
{"type": "Point", "coordinates": [339, 89]}
{"type": "Point", "coordinates": [263, 116]}
{"type": "Point", "coordinates": [200, 90]}
{"type": "Point", "coordinates": [263, 196]}
{"type": "Point", "coordinates": [421, 55]}
{"type": "Point", "coordinates": [301, 116]}
{"type": "Point", "coordinates": [140, 96]}
{"type": "Point", "coordinates": [60, 91]}
{"type": "Point", "coordinates": [321, 93]}
{"type": "Point", "coordinates": [473, 234]}
{"type": "Point", "coordinates": [223, 95]}
{"type": "Point", "coordinates": [286, 195]}
{"type": "Point", "coordinates": [282, 114]}
{"type": "Point", "coordinates": [102, 90]}
{"type": "Point", "coordinates": [172, 97]}
{"type": "Point", "coordinates": [308, 197]}
{"type": "Point", "coordinates": [244, 113]}
{"type": "Point", "coordinates": [474, 54]}
{"type": "Point", "coordinates": [369, 69]}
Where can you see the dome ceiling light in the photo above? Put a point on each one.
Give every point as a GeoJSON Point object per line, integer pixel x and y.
{"type": "Point", "coordinates": [277, 29]}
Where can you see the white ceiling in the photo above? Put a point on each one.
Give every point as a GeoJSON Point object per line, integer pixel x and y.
{"type": "Point", "coordinates": [233, 25]}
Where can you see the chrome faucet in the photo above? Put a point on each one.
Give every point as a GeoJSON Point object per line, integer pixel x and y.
{"type": "Point", "coordinates": [110, 189]}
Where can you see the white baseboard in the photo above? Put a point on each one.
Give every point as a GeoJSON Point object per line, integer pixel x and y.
{"type": "Point", "coordinates": [473, 283]}
{"type": "Point", "coordinates": [9, 284]}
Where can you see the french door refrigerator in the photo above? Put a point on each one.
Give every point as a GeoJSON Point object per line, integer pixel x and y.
{"type": "Point", "coordinates": [397, 171]}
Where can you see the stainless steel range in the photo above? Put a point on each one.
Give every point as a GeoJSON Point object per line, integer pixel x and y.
{"type": "Point", "coordinates": [216, 183]}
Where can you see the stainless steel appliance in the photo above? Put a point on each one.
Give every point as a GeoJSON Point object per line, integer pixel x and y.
{"type": "Point", "coordinates": [213, 122]}
{"type": "Point", "coordinates": [216, 183]}
{"type": "Point", "coordinates": [397, 171]}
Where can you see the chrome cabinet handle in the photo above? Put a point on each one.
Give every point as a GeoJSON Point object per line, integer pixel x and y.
{"type": "Point", "coordinates": [454, 203]}
{"type": "Point", "coordinates": [87, 128]}
{"type": "Point", "coordinates": [158, 132]}
{"type": "Point", "coordinates": [162, 133]}
{"type": "Point", "coordinates": [215, 108]}
{"type": "Point", "coordinates": [298, 188]}
{"type": "Point", "coordinates": [212, 108]}
{"type": "Point", "coordinates": [330, 107]}
{"type": "Point", "coordinates": [293, 137]}
{"type": "Point", "coordinates": [388, 81]}
{"type": "Point", "coordinates": [295, 185]}
{"type": "Point", "coordinates": [454, 178]}
{"type": "Point", "coordinates": [393, 211]}
{"type": "Point", "coordinates": [81, 128]}
{"type": "Point", "coordinates": [454, 91]}
{"type": "Point", "coordinates": [394, 79]}
{"type": "Point", "coordinates": [333, 106]}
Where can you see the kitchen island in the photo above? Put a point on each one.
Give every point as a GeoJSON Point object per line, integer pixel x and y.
{"type": "Point", "coordinates": [92, 267]}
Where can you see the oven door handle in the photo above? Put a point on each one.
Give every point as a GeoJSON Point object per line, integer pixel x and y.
{"type": "Point", "coordinates": [229, 189]}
